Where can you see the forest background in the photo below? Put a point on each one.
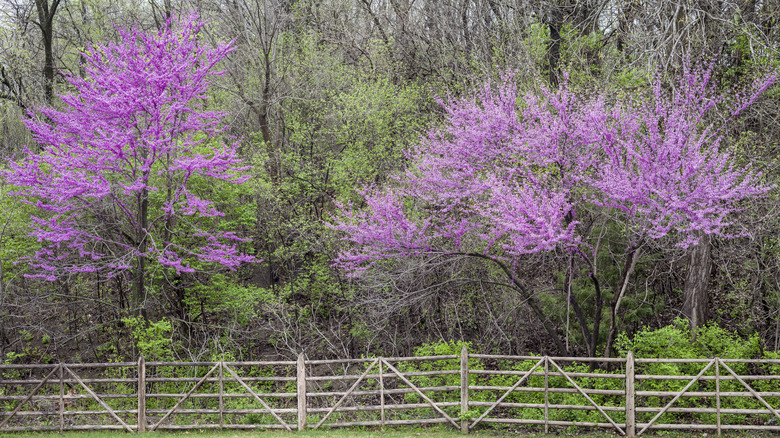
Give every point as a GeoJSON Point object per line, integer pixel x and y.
{"type": "Point", "coordinates": [325, 97]}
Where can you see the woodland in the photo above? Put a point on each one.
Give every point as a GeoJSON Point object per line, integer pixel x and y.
{"type": "Point", "coordinates": [254, 179]}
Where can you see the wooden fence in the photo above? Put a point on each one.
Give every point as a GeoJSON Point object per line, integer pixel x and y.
{"type": "Point", "coordinates": [628, 395]}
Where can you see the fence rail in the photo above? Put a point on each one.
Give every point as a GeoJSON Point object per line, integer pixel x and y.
{"type": "Point", "coordinates": [627, 395]}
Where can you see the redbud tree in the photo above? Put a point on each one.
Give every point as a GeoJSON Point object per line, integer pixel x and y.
{"type": "Point", "coordinates": [120, 156]}
{"type": "Point", "coordinates": [508, 176]}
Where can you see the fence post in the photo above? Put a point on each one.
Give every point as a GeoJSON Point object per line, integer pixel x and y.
{"type": "Point", "coordinates": [382, 394]}
{"type": "Point", "coordinates": [464, 389]}
{"type": "Point", "coordinates": [301, 384]}
{"type": "Point", "coordinates": [141, 394]}
{"type": "Point", "coordinates": [62, 400]}
{"type": "Point", "coordinates": [546, 394]}
{"type": "Point", "coordinates": [221, 395]}
{"type": "Point", "coordinates": [630, 396]}
{"type": "Point", "coordinates": [717, 392]}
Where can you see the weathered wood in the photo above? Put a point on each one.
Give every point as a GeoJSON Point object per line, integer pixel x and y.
{"type": "Point", "coordinates": [552, 422]}
{"type": "Point", "coordinates": [399, 407]}
{"type": "Point", "coordinates": [68, 380]}
{"type": "Point", "coordinates": [464, 389]}
{"type": "Point", "coordinates": [341, 400]}
{"type": "Point", "coordinates": [421, 394]}
{"type": "Point", "coordinates": [176, 406]}
{"type": "Point", "coordinates": [376, 376]}
{"type": "Point", "coordinates": [587, 397]}
{"type": "Point", "coordinates": [71, 413]}
{"type": "Point", "coordinates": [695, 379]}
{"type": "Point", "coordinates": [99, 400]}
{"type": "Point", "coordinates": [301, 391]}
{"type": "Point", "coordinates": [552, 390]}
{"type": "Point", "coordinates": [705, 394]}
{"type": "Point", "coordinates": [717, 394]}
{"type": "Point", "coordinates": [390, 359]}
{"type": "Point", "coordinates": [387, 391]}
{"type": "Point", "coordinates": [216, 379]}
{"type": "Point", "coordinates": [558, 359]}
{"type": "Point", "coordinates": [382, 393]}
{"type": "Point", "coordinates": [551, 374]}
{"type": "Point", "coordinates": [62, 400]}
{"type": "Point", "coordinates": [216, 426]}
{"type": "Point", "coordinates": [226, 395]}
{"type": "Point", "coordinates": [221, 398]}
{"type": "Point", "coordinates": [752, 391]}
{"type": "Point", "coordinates": [55, 401]}
{"type": "Point", "coordinates": [257, 397]}
{"type": "Point", "coordinates": [518, 383]}
{"type": "Point", "coordinates": [546, 395]}
{"type": "Point", "coordinates": [248, 363]}
{"type": "Point", "coordinates": [30, 395]}
{"type": "Point", "coordinates": [663, 377]}
{"type": "Point", "coordinates": [630, 396]}
{"type": "Point", "coordinates": [388, 407]}
{"type": "Point", "coordinates": [34, 366]}
{"type": "Point", "coordinates": [141, 394]}
{"type": "Point", "coordinates": [639, 360]}
{"type": "Point", "coordinates": [420, 421]}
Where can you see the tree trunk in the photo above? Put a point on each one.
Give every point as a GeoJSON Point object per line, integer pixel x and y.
{"type": "Point", "coordinates": [695, 291]}
{"type": "Point", "coordinates": [46, 24]}
{"type": "Point", "coordinates": [143, 225]}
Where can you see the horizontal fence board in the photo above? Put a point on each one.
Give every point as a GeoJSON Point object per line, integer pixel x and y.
{"type": "Point", "coordinates": [704, 394]}
{"type": "Point", "coordinates": [217, 426]}
{"type": "Point", "coordinates": [556, 359]}
{"type": "Point", "coordinates": [226, 395]}
{"type": "Point", "coordinates": [387, 407]}
{"type": "Point", "coordinates": [386, 391]}
{"type": "Point", "coordinates": [551, 422]}
{"type": "Point", "coordinates": [225, 411]}
{"type": "Point", "coordinates": [67, 397]}
{"type": "Point", "coordinates": [66, 428]}
{"type": "Point", "coordinates": [211, 364]}
{"type": "Point", "coordinates": [708, 378]}
{"type": "Point", "coordinates": [389, 359]}
{"type": "Point", "coordinates": [388, 422]}
{"type": "Point", "coordinates": [69, 381]}
{"type": "Point", "coordinates": [216, 379]}
{"type": "Point", "coordinates": [551, 390]}
{"type": "Point", "coordinates": [384, 375]}
{"type": "Point", "coordinates": [549, 406]}
{"type": "Point", "coordinates": [550, 374]}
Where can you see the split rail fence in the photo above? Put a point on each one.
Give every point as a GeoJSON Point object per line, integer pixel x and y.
{"type": "Point", "coordinates": [629, 395]}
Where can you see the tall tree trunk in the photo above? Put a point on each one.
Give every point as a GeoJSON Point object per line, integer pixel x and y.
{"type": "Point", "coordinates": [143, 225]}
{"type": "Point", "coordinates": [695, 291]}
{"type": "Point", "coordinates": [45, 22]}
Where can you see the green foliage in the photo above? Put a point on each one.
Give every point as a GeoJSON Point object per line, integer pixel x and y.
{"type": "Point", "coordinates": [226, 299]}
{"type": "Point", "coordinates": [441, 348]}
{"type": "Point", "coordinates": [152, 338]}
{"type": "Point", "coordinates": [678, 341]}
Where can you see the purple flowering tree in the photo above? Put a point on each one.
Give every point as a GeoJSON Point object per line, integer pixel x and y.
{"type": "Point", "coordinates": [120, 157]}
{"type": "Point", "coordinates": [507, 177]}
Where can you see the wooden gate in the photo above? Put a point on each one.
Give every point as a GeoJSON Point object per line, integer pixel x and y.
{"type": "Point", "coordinates": [221, 367]}
{"type": "Point", "coordinates": [384, 369]}
{"type": "Point", "coordinates": [61, 369]}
